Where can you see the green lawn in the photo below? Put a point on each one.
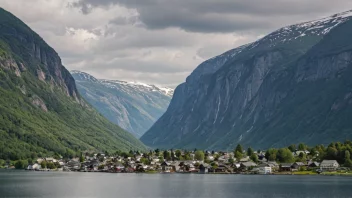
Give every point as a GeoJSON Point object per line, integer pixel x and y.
{"type": "Point", "coordinates": [305, 173]}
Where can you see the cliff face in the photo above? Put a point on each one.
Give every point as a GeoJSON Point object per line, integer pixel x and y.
{"type": "Point", "coordinates": [259, 93]}
{"type": "Point", "coordinates": [34, 55]}
{"type": "Point", "coordinates": [133, 106]}
{"type": "Point", "coordinates": [41, 111]}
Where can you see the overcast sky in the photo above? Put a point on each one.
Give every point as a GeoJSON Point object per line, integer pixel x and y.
{"type": "Point", "coordinates": [157, 41]}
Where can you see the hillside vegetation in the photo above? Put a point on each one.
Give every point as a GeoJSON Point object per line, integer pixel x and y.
{"type": "Point", "coordinates": [41, 112]}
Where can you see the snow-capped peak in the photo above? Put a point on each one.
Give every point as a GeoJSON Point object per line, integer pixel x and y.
{"type": "Point", "coordinates": [141, 86]}
{"type": "Point", "coordinates": [335, 19]}
{"type": "Point", "coordinates": [315, 28]}
{"type": "Point", "coordinates": [292, 33]}
{"type": "Point", "coordinates": [83, 76]}
{"type": "Point", "coordinates": [123, 85]}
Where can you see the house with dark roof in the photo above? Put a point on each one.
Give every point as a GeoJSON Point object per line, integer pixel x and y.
{"type": "Point", "coordinates": [298, 165]}
{"type": "Point", "coordinates": [284, 167]}
{"type": "Point", "coordinates": [314, 164]}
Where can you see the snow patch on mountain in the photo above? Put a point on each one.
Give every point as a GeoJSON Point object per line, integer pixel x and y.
{"type": "Point", "coordinates": [136, 86]}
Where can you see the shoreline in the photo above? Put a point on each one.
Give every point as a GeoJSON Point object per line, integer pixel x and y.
{"type": "Point", "coordinates": [183, 173]}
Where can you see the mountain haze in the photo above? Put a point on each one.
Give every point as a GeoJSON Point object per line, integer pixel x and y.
{"type": "Point", "coordinates": [41, 111]}
{"type": "Point", "coordinates": [133, 106]}
{"type": "Point", "coordinates": [291, 86]}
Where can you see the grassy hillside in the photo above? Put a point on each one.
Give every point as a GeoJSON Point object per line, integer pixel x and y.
{"type": "Point", "coordinates": [41, 112]}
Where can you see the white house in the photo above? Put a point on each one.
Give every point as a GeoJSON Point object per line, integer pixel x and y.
{"type": "Point", "coordinates": [329, 165]}
{"type": "Point", "coordinates": [34, 167]}
{"type": "Point", "coordinates": [264, 169]}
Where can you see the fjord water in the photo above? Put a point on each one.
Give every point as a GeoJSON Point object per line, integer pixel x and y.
{"type": "Point", "coordinates": [65, 184]}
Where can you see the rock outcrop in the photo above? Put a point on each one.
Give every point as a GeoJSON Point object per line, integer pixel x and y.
{"type": "Point", "coordinates": [265, 93]}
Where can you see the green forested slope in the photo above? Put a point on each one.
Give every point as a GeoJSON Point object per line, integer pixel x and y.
{"type": "Point", "coordinates": [41, 112]}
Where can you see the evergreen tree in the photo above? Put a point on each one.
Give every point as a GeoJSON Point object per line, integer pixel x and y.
{"type": "Point", "coordinates": [157, 152]}
{"type": "Point", "coordinates": [348, 161]}
{"type": "Point", "coordinates": [178, 154]}
{"type": "Point", "coordinates": [239, 148]}
{"type": "Point", "coordinates": [302, 147]}
{"type": "Point", "coordinates": [292, 147]}
{"type": "Point", "coordinates": [250, 151]}
{"type": "Point", "coordinates": [167, 155]}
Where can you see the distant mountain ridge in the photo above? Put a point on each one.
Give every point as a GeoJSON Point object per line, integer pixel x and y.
{"type": "Point", "coordinates": [287, 87]}
{"type": "Point", "coordinates": [41, 111]}
{"type": "Point", "coordinates": [134, 106]}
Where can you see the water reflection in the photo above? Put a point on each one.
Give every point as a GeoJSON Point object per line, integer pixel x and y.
{"type": "Point", "coordinates": [63, 184]}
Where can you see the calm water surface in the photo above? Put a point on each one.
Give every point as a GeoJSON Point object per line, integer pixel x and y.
{"type": "Point", "coordinates": [105, 185]}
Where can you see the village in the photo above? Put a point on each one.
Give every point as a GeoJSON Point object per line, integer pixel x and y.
{"type": "Point", "coordinates": [250, 162]}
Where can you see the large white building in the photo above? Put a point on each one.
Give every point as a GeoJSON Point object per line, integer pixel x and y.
{"type": "Point", "coordinates": [329, 165]}
{"type": "Point", "coordinates": [264, 170]}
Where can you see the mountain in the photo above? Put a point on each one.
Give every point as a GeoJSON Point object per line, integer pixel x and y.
{"type": "Point", "coordinates": [133, 106]}
{"type": "Point", "coordinates": [291, 86]}
{"type": "Point", "coordinates": [41, 112]}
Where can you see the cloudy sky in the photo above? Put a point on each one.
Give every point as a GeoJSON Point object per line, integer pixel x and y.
{"type": "Point", "coordinates": [157, 41]}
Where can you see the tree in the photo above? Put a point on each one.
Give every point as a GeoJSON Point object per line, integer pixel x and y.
{"type": "Point", "coordinates": [145, 161]}
{"type": "Point", "coordinates": [302, 147]}
{"type": "Point", "coordinates": [270, 154]}
{"type": "Point", "coordinates": [43, 164]}
{"type": "Point", "coordinates": [292, 147]}
{"type": "Point", "coordinates": [331, 153]}
{"type": "Point", "coordinates": [239, 148]}
{"type": "Point", "coordinates": [178, 154]}
{"type": "Point", "coordinates": [284, 155]}
{"type": "Point", "coordinates": [21, 164]}
{"type": "Point", "coordinates": [157, 152]}
{"type": "Point", "coordinates": [50, 165]}
{"type": "Point", "coordinates": [348, 161]}
{"type": "Point", "coordinates": [231, 161]}
{"type": "Point", "coordinates": [161, 158]}
{"type": "Point", "coordinates": [81, 159]}
{"type": "Point", "coordinates": [199, 155]}
{"type": "Point", "coordinates": [250, 151]}
{"type": "Point", "coordinates": [18, 164]}
{"type": "Point", "coordinates": [2, 162]}
{"type": "Point", "coordinates": [167, 155]}
{"type": "Point", "coordinates": [238, 155]}
{"type": "Point", "coordinates": [301, 157]}
{"type": "Point", "coordinates": [254, 157]}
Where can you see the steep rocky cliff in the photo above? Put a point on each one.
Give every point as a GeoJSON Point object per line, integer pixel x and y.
{"type": "Point", "coordinates": [34, 55]}
{"type": "Point", "coordinates": [133, 106]}
{"type": "Point", "coordinates": [288, 87]}
{"type": "Point", "coordinates": [41, 111]}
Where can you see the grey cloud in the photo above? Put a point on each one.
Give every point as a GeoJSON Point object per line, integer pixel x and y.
{"type": "Point", "coordinates": [139, 66]}
{"type": "Point", "coordinates": [158, 41]}
{"type": "Point", "coordinates": [125, 20]}
{"type": "Point", "coordinates": [218, 15]}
